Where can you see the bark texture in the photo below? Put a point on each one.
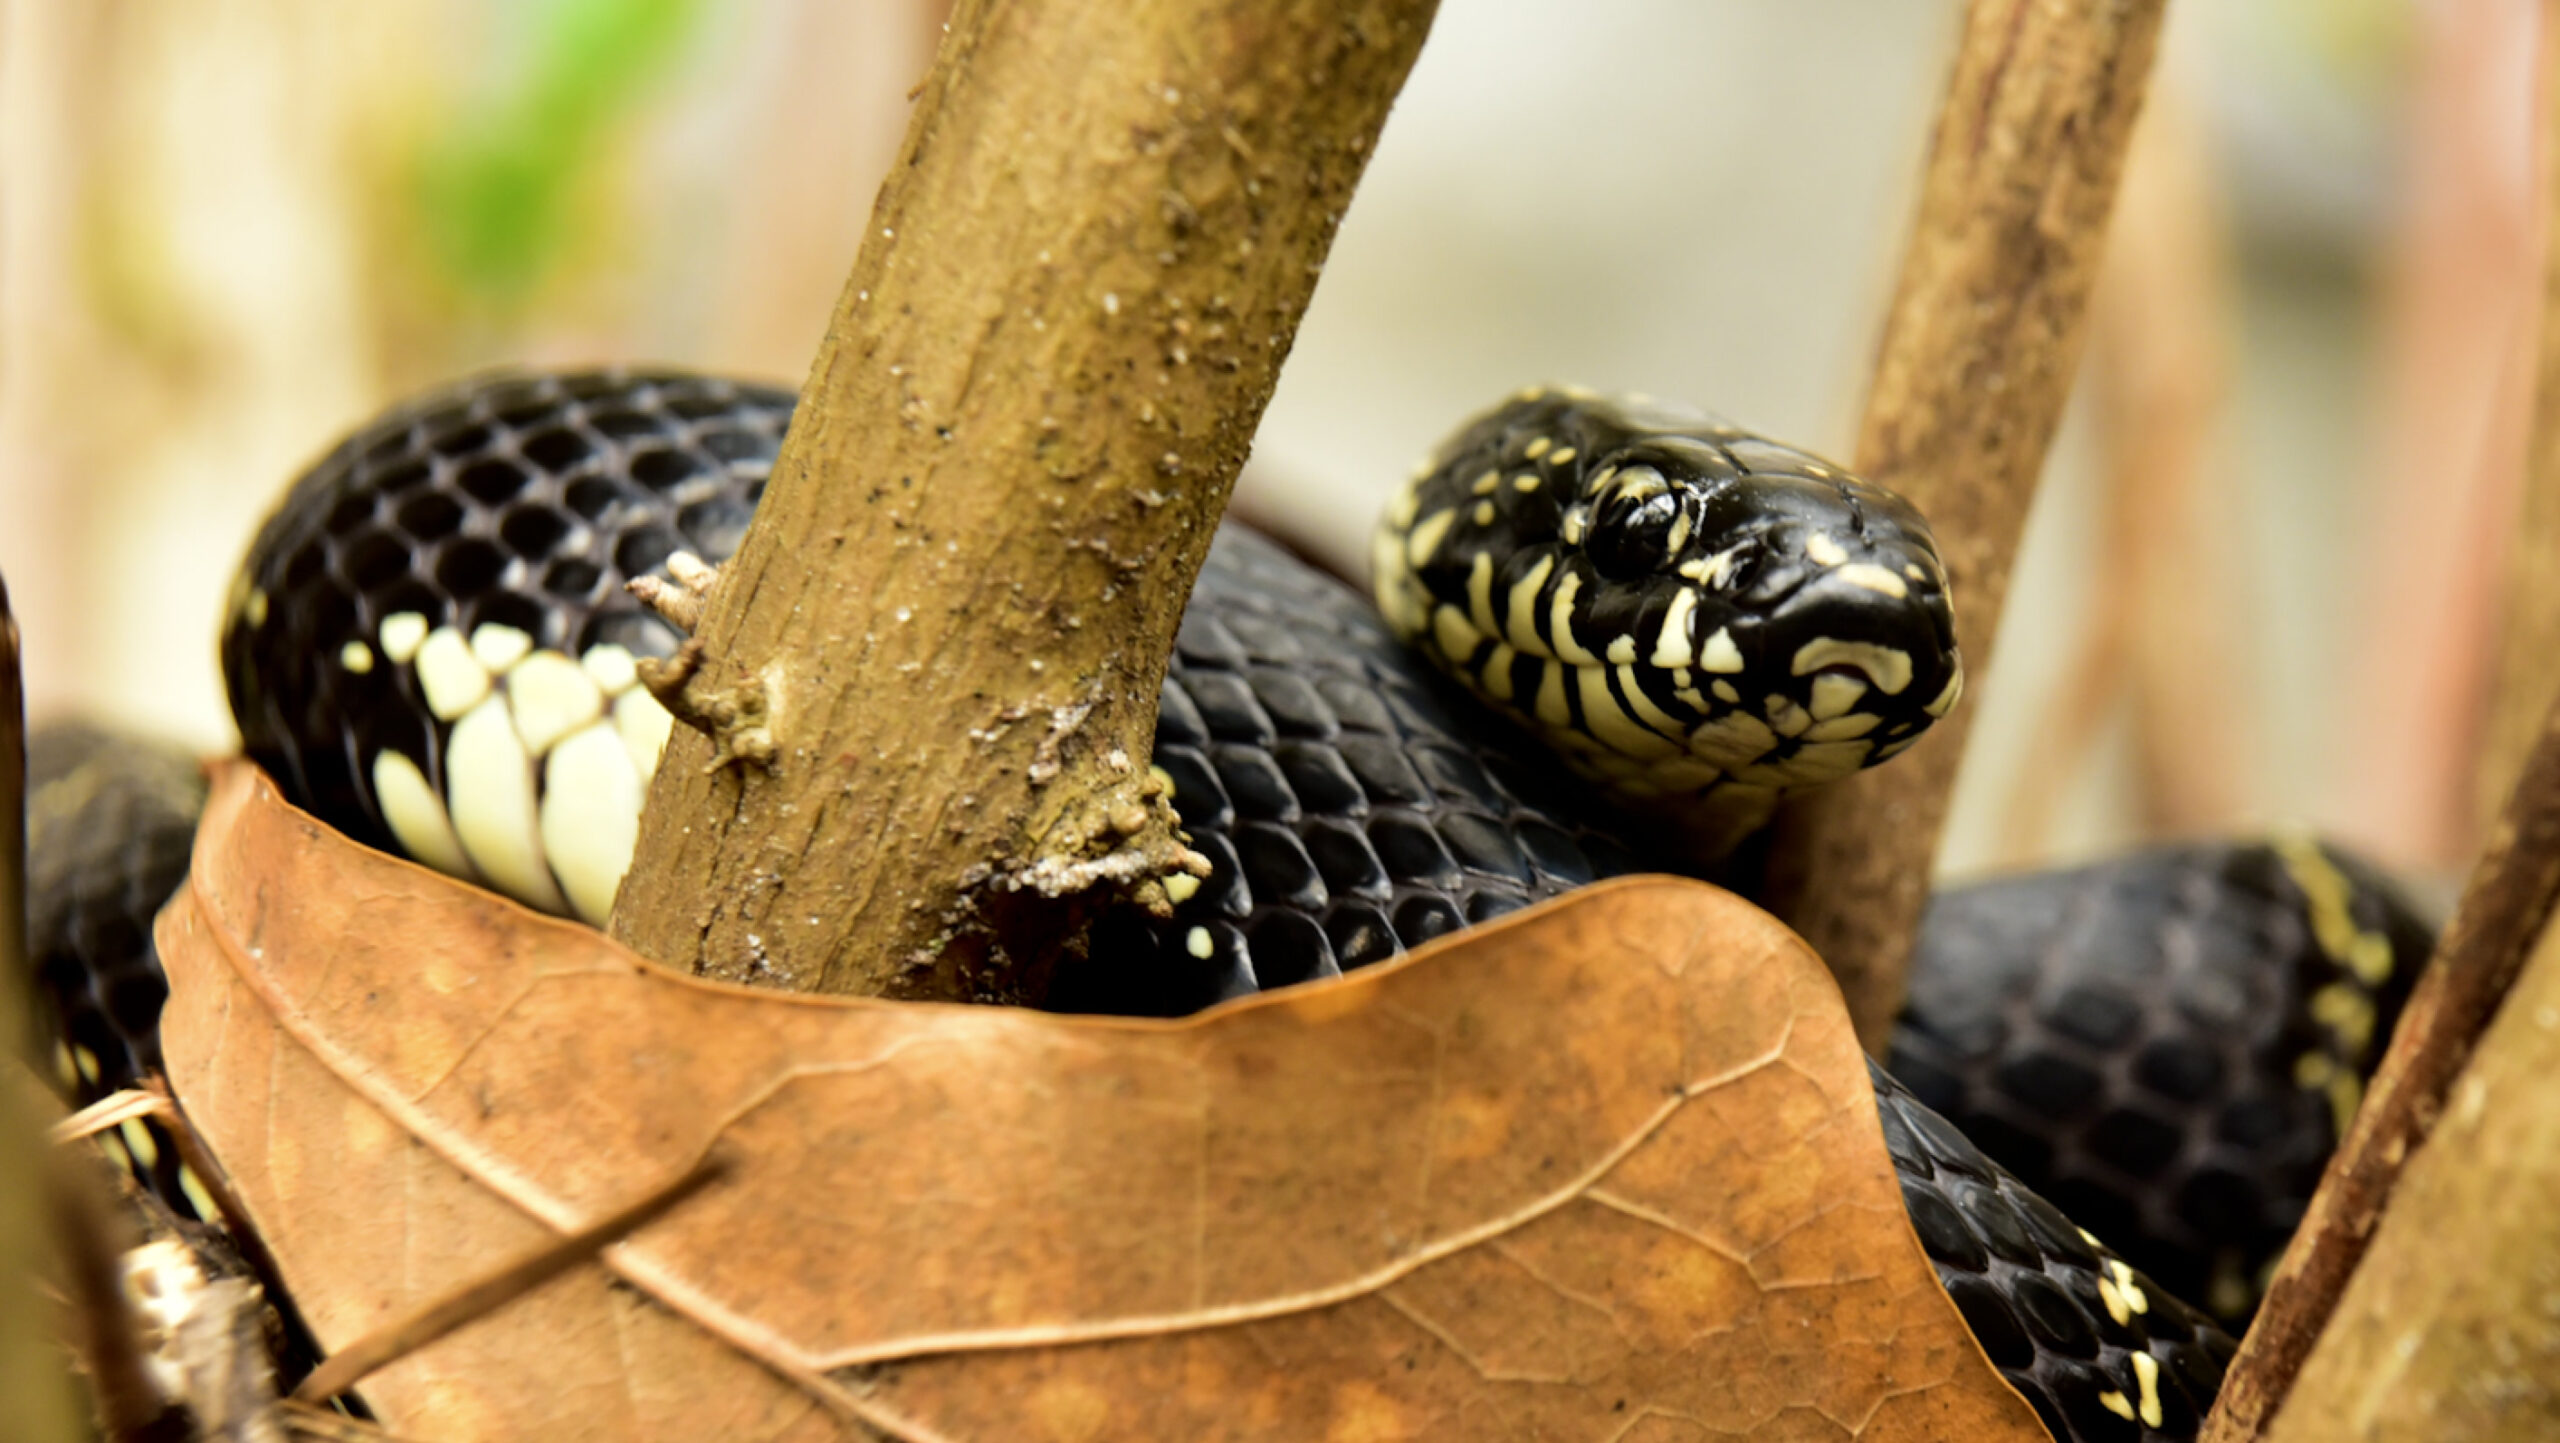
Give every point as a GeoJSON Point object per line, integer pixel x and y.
{"type": "Point", "coordinates": [2505, 907]}
{"type": "Point", "coordinates": [930, 674]}
{"type": "Point", "coordinates": [2450, 1332]}
{"type": "Point", "coordinates": [1975, 363]}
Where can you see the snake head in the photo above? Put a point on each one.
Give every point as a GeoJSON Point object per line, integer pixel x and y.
{"type": "Point", "coordinates": [1698, 618]}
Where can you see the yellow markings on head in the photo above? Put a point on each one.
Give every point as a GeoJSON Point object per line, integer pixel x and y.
{"type": "Point", "coordinates": [1732, 741]}
{"type": "Point", "coordinates": [1485, 484]}
{"type": "Point", "coordinates": [2146, 1373]}
{"type": "Point", "coordinates": [1622, 651]}
{"type": "Point", "coordinates": [1560, 623]}
{"type": "Point", "coordinates": [1724, 692]}
{"type": "Point", "coordinates": [356, 657]}
{"type": "Point", "coordinates": [1789, 719]}
{"type": "Point", "coordinates": [1520, 622]}
{"type": "Point", "coordinates": [2115, 1305]}
{"type": "Point", "coordinates": [1653, 718]}
{"type": "Point", "coordinates": [1834, 694]}
{"type": "Point", "coordinates": [1199, 943]}
{"type": "Point", "coordinates": [1576, 525]}
{"type": "Point", "coordinates": [1679, 534]}
{"type": "Point", "coordinates": [255, 608]}
{"type": "Point", "coordinates": [1531, 393]}
{"type": "Point", "coordinates": [1551, 706]}
{"type": "Point", "coordinates": [1408, 502]}
{"type": "Point", "coordinates": [1495, 675]}
{"type": "Point", "coordinates": [1402, 600]}
{"type": "Point", "coordinates": [1712, 570]}
{"type": "Point", "coordinates": [1480, 593]}
{"type": "Point", "coordinates": [1483, 514]}
{"type": "Point", "coordinates": [1538, 448]}
{"type": "Point", "coordinates": [2116, 1403]}
{"type": "Point", "coordinates": [1823, 551]}
{"type": "Point", "coordinates": [1181, 887]}
{"type": "Point", "coordinates": [1456, 637]}
{"type": "Point", "coordinates": [1525, 482]}
{"type": "Point", "coordinates": [1842, 728]}
{"type": "Point", "coordinates": [1609, 722]}
{"type": "Point", "coordinates": [1948, 695]}
{"type": "Point", "coordinates": [86, 1063]}
{"type": "Point", "coordinates": [1561, 457]}
{"type": "Point", "coordinates": [1673, 648]}
{"type": "Point", "coordinates": [1874, 578]}
{"type": "Point", "coordinates": [1721, 655]}
{"type": "Point", "coordinates": [1888, 667]}
{"type": "Point", "coordinates": [1426, 536]}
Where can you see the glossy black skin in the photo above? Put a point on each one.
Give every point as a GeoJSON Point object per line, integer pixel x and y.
{"type": "Point", "coordinates": [2130, 1037]}
{"type": "Point", "coordinates": [1355, 802]}
{"type": "Point", "coordinates": [1791, 528]}
{"type": "Point", "coordinates": [523, 500]}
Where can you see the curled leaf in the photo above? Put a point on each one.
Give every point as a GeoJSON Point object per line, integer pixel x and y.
{"type": "Point", "coordinates": [1607, 1169]}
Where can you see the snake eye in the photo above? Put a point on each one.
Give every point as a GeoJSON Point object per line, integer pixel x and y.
{"type": "Point", "coordinates": [1632, 520]}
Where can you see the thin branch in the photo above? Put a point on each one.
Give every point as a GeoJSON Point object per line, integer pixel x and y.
{"type": "Point", "coordinates": [2505, 907]}
{"type": "Point", "coordinates": [2453, 1304]}
{"type": "Point", "coordinates": [944, 633]}
{"type": "Point", "coordinates": [494, 1289]}
{"type": "Point", "coordinates": [1976, 362]}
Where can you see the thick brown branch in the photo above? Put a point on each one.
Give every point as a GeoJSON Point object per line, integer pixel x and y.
{"type": "Point", "coordinates": [2505, 907]}
{"type": "Point", "coordinates": [957, 598]}
{"type": "Point", "coordinates": [1976, 361]}
{"type": "Point", "coordinates": [2453, 1309]}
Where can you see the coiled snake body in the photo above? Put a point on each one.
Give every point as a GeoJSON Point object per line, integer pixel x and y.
{"type": "Point", "coordinates": [431, 648]}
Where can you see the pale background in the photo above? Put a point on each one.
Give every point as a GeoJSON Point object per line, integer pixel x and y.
{"type": "Point", "coordinates": [229, 232]}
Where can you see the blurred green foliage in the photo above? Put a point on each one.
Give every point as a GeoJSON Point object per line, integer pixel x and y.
{"type": "Point", "coordinates": [497, 192]}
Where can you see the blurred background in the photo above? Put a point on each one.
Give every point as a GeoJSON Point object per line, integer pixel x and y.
{"type": "Point", "coordinates": [2261, 583]}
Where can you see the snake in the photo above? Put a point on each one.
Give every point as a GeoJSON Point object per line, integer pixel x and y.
{"type": "Point", "coordinates": [1603, 632]}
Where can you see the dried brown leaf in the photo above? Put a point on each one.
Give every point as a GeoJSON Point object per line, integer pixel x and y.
{"type": "Point", "coordinates": [1609, 1169]}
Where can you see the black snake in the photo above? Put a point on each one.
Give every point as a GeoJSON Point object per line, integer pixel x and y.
{"type": "Point", "coordinates": [431, 647]}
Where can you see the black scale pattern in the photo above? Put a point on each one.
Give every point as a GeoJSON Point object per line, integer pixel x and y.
{"type": "Point", "coordinates": [2126, 1037]}
{"type": "Point", "coordinates": [522, 500]}
{"type": "Point", "coordinates": [2028, 1284]}
{"type": "Point", "coordinates": [1353, 802]}
{"type": "Point", "coordinates": [111, 823]}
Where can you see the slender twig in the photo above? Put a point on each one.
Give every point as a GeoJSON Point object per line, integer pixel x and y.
{"type": "Point", "coordinates": [495, 1289]}
{"type": "Point", "coordinates": [2503, 910]}
{"type": "Point", "coordinates": [1977, 358]}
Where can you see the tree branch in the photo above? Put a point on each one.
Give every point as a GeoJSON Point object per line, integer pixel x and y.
{"type": "Point", "coordinates": [955, 605]}
{"type": "Point", "coordinates": [2453, 1303]}
{"type": "Point", "coordinates": [1976, 362]}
